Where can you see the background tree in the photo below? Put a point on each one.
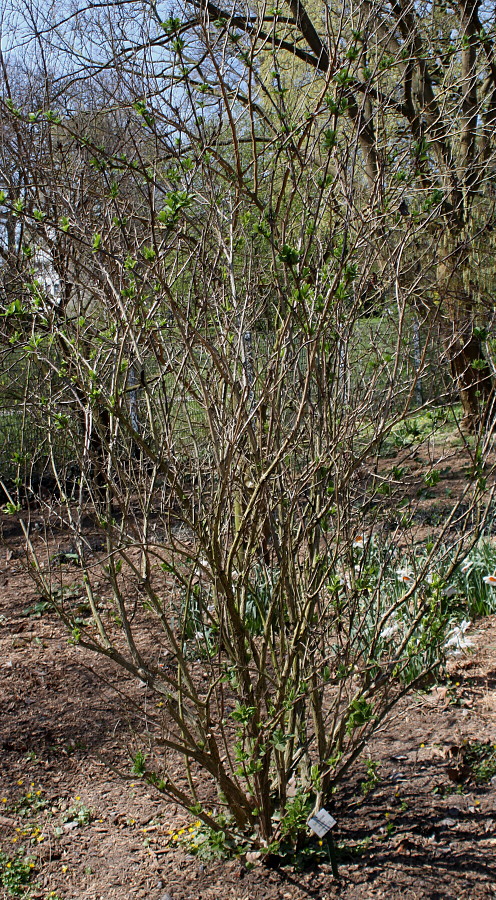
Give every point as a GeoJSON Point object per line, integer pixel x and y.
{"type": "Point", "coordinates": [411, 88]}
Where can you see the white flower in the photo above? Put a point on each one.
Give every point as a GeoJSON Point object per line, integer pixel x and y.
{"type": "Point", "coordinates": [388, 632]}
{"type": "Point", "coordinates": [359, 542]}
{"type": "Point", "coordinates": [405, 576]}
{"type": "Point", "coordinates": [490, 579]}
{"type": "Point", "coordinates": [449, 591]}
{"type": "Point", "coordinates": [465, 568]}
{"type": "Point", "coordinates": [456, 641]}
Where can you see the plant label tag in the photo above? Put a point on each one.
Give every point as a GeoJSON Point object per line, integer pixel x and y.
{"type": "Point", "coordinates": [321, 822]}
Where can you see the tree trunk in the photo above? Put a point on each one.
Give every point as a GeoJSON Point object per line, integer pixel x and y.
{"type": "Point", "coordinates": [463, 346]}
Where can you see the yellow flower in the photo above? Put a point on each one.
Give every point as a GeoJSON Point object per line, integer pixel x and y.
{"type": "Point", "coordinates": [77, 798]}
{"type": "Point", "coordinates": [20, 781]}
{"type": "Point", "coordinates": [64, 869]}
{"type": "Point", "coordinates": [31, 865]}
{"type": "Point", "coordinates": [4, 799]}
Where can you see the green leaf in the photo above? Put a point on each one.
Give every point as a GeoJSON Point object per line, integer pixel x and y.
{"type": "Point", "coordinates": [171, 25]}
{"type": "Point", "coordinates": [329, 139]}
{"type": "Point", "coordinates": [53, 117]}
{"type": "Point", "coordinates": [148, 253]}
{"type": "Point", "coordinates": [289, 255]}
{"type": "Point", "coordinates": [14, 308]}
{"type": "Point", "coordinates": [360, 712]}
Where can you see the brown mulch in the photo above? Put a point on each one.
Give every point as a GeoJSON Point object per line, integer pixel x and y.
{"type": "Point", "coordinates": [426, 830]}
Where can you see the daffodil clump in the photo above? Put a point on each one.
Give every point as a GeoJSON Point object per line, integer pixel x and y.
{"type": "Point", "coordinates": [425, 605]}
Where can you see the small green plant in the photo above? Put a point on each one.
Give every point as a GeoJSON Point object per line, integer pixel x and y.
{"type": "Point", "coordinates": [446, 790]}
{"type": "Point", "coordinates": [432, 478]}
{"type": "Point", "coordinates": [372, 779]}
{"type": "Point", "coordinates": [36, 610]}
{"type": "Point", "coordinates": [480, 756]}
{"type": "Point", "coordinates": [78, 814]}
{"type": "Point", "coordinates": [295, 816]}
{"type": "Point", "coordinates": [15, 874]}
{"type": "Point", "coordinates": [31, 803]}
{"type": "Point", "coordinates": [357, 849]}
{"type": "Point", "coordinates": [139, 764]}
{"type": "Point", "coordinates": [205, 842]}
{"type": "Point", "coordinates": [210, 844]}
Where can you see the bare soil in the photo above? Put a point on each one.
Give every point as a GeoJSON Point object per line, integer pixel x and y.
{"type": "Point", "coordinates": [425, 830]}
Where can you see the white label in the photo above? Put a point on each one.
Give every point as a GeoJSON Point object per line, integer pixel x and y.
{"type": "Point", "coordinates": [321, 822]}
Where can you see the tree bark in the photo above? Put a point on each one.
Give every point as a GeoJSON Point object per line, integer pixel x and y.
{"type": "Point", "coordinates": [463, 346]}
